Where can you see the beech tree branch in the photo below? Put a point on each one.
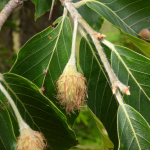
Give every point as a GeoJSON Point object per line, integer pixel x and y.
{"type": "Point", "coordinates": [113, 79]}
{"type": "Point", "coordinates": [7, 10]}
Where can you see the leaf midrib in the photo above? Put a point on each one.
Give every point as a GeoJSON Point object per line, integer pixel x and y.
{"type": "Point", "coordinates": [131, 126]}
{"type": "Point", "coordinates": [55, 47]}
{"type": "Point", "coordinates": [116, 52]}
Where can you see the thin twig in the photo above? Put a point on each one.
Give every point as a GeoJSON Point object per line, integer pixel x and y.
{"type": "Point", "coordinates": [51, 10]}
{"type": "Point", "coordinates": [7, 10]}
{"type": "Point", "coordinates": [113, 79]}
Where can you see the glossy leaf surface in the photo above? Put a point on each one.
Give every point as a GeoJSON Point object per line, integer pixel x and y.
{"type": "Point", "coordinates": [41, 6]}
{"type": "Point", "coordinates": [133, 130]}
{"type": "Point", "coordinates": [129, 16]}
{"type": "Point", "coordinates": [43, 58]}
{"type": "Point", "coordinates": [40, 113]}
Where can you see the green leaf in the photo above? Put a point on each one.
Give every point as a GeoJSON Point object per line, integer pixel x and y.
{"type": "Point", "coordinates": [47, 52]}
{"type": "Point", "coordinates": [100, 98]}
{"type": "Point", "coordinates": [142, 45]}
{"type": "Point", "coordinates": [133, 130]}
{"type": "Point", "coordinates": [7, 136]}
{"type": "Point", "coordinates": [91, 17]}
{"type": "Point", "coordinates": [123, 14]}
{"type": "Point", "coordinates": [106, 141]}
{"type": "Point", "coordinates": [41, 6]}
{"type": "Point", "coordinates": [3, 3]}
{"type": "Point", "coordinates": [40, 113]}
{"type": "Point", "coordinates": [132, 69]}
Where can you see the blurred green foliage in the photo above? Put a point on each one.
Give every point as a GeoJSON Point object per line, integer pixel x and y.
{"type": "Point", "coordinates": [7, 58]}
{"type": "Point", "coordinates": [7, 54]}
{"type": "Point", "coordinates": [3, 3]}
{"type": "Point", "coordinates": [10, 24]}
{"type": "Point", "coordinates": [87, 132]}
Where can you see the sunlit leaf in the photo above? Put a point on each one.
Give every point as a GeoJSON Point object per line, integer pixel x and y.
{"type": "Point", "coordinates": [133, 130]}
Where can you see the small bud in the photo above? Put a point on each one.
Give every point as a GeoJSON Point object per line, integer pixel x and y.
{"type": "Point", "coordinates": [144, 33]}
{"type": "Point", "coordinates": [71, 88]}
{"type": "Point", "coordinates": [123, 88]}
{"type": "Point", "coordinates": [126, 91]}
{"type": "Point", "coordinates": [99, 36]}
{"type": "Point", "coordinates": [30, 140]}
{"type": "Point", "coordinates": [114, 89]}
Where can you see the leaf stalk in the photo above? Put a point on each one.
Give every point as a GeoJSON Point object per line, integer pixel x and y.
{"type": "Point", "coordinates": [72, 60]}
{"type": "Point", "coordinates": [21, 122]}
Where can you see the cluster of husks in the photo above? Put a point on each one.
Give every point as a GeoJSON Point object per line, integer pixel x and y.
{"type": "Point", "coordinates": [71, 89]}
{"type": "Point", "coordinates": [31, 140]}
